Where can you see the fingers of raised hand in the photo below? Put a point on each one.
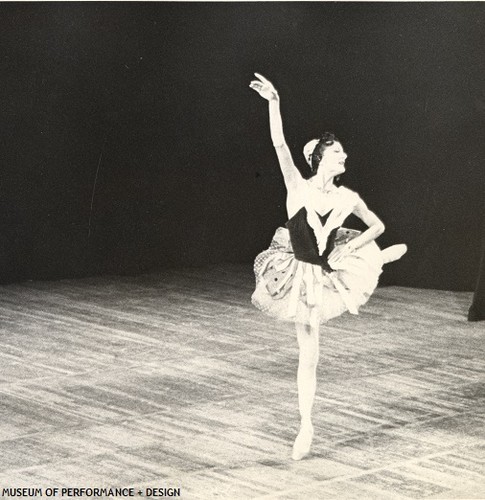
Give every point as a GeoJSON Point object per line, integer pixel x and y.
{"type": "Point", "coordinates": [262, 78]}
{"type": "Point", "coordinates": [256, 89]}
{"type": "Point", "coordinates": [263, 90]}
{"type": "Point", "coordinates": [266, 84]}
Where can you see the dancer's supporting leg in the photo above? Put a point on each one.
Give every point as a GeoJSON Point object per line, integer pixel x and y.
{"type": "Point", "coordinates": [307, 384]}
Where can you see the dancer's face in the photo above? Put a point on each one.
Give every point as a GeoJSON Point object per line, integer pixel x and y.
{"type": "Point", "coordinates": [333, 161]}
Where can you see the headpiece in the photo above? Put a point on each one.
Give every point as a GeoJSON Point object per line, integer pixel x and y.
{"type": "Point", "coordinates": [313, 151]}
{"type": "Point", "coordinates": [308, 150]}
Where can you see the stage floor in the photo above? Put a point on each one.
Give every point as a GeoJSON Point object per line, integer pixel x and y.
{"type": "Point", "coordinates": [174, 380]}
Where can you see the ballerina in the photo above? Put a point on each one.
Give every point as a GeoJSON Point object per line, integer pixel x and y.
{"type": "Point", "coordinates": [315, 269]}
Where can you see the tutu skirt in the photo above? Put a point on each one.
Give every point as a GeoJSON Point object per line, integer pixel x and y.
{"type": "Point", "coordinates": [296, 291]}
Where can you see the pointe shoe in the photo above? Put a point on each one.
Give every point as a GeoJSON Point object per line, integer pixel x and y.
{"type": "Point", "coordinates": [303, 442]}
{"type": "Point", "coordinates": [394, 252]}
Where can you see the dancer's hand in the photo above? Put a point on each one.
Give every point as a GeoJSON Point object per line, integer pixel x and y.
{"type": "Point", "coordinates": [264, 88]}
{"type": "Point", "coordinates": [341, 251]}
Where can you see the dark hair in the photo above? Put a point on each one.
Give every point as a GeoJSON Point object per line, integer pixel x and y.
{"type": "Point", "coordinates": [326, 140]}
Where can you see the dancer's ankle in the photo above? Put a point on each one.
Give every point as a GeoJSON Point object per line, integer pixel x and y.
{"type": "Point", "coordinates": [303, 441]}
{"type": "Point", "coordinates": [306, 423]}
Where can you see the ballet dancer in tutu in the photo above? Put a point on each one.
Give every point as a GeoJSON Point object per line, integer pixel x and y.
{"type": "Point", "coordinates": [315, 269]}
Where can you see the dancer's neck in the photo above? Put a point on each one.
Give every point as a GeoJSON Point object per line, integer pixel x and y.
{"type": "Point", "coordinates": [323, 187]}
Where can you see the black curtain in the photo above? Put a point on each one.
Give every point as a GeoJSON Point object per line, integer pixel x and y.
{"type": "Point", "coordinates": [130, 140]}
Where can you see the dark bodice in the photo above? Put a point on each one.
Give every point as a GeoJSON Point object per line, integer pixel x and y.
{"type": "Point", "coordinates": [304, 242]}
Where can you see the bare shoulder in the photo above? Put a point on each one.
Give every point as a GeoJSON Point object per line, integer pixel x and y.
{"type": "Point", "coordinates": [297, 197]}
{"type": "Point", "coordinates": [346, 190]}
{"type": "Point", "coordinates": [297, 185]}
{"type": "Point", "coordinates": [349, 193]}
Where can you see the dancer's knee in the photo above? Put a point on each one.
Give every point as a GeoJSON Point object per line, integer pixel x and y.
{"type": "Point", "coordinates": [309, 346]}
{"type": "Point", "coordinates": [309, 354]}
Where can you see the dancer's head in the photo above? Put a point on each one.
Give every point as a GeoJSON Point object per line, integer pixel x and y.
{"type": "Point", "coordinates": [325, 155]}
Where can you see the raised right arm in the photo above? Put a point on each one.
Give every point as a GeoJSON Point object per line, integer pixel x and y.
{"type": "Point", "coordinates": [291, 174]}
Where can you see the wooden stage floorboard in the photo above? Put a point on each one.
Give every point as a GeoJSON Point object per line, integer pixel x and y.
{"type": "Point", "coordinates": [174, 380]}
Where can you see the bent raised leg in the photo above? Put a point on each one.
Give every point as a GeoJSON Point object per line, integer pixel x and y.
{"type": "Point", "coordinates": [394, 252]}
{"type": "Point", "coordinates": [307, 383]}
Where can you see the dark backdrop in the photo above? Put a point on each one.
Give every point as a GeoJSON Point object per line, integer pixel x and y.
{"type": "Point", "coordinates": [152, 102]}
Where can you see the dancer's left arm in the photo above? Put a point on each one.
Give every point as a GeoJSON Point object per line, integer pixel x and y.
{"type": "Point", "coordinates": [375, 228]}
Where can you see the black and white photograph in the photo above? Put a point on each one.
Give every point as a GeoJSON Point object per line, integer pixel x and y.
{"type": "Point", "coordinates": [242, 250]}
